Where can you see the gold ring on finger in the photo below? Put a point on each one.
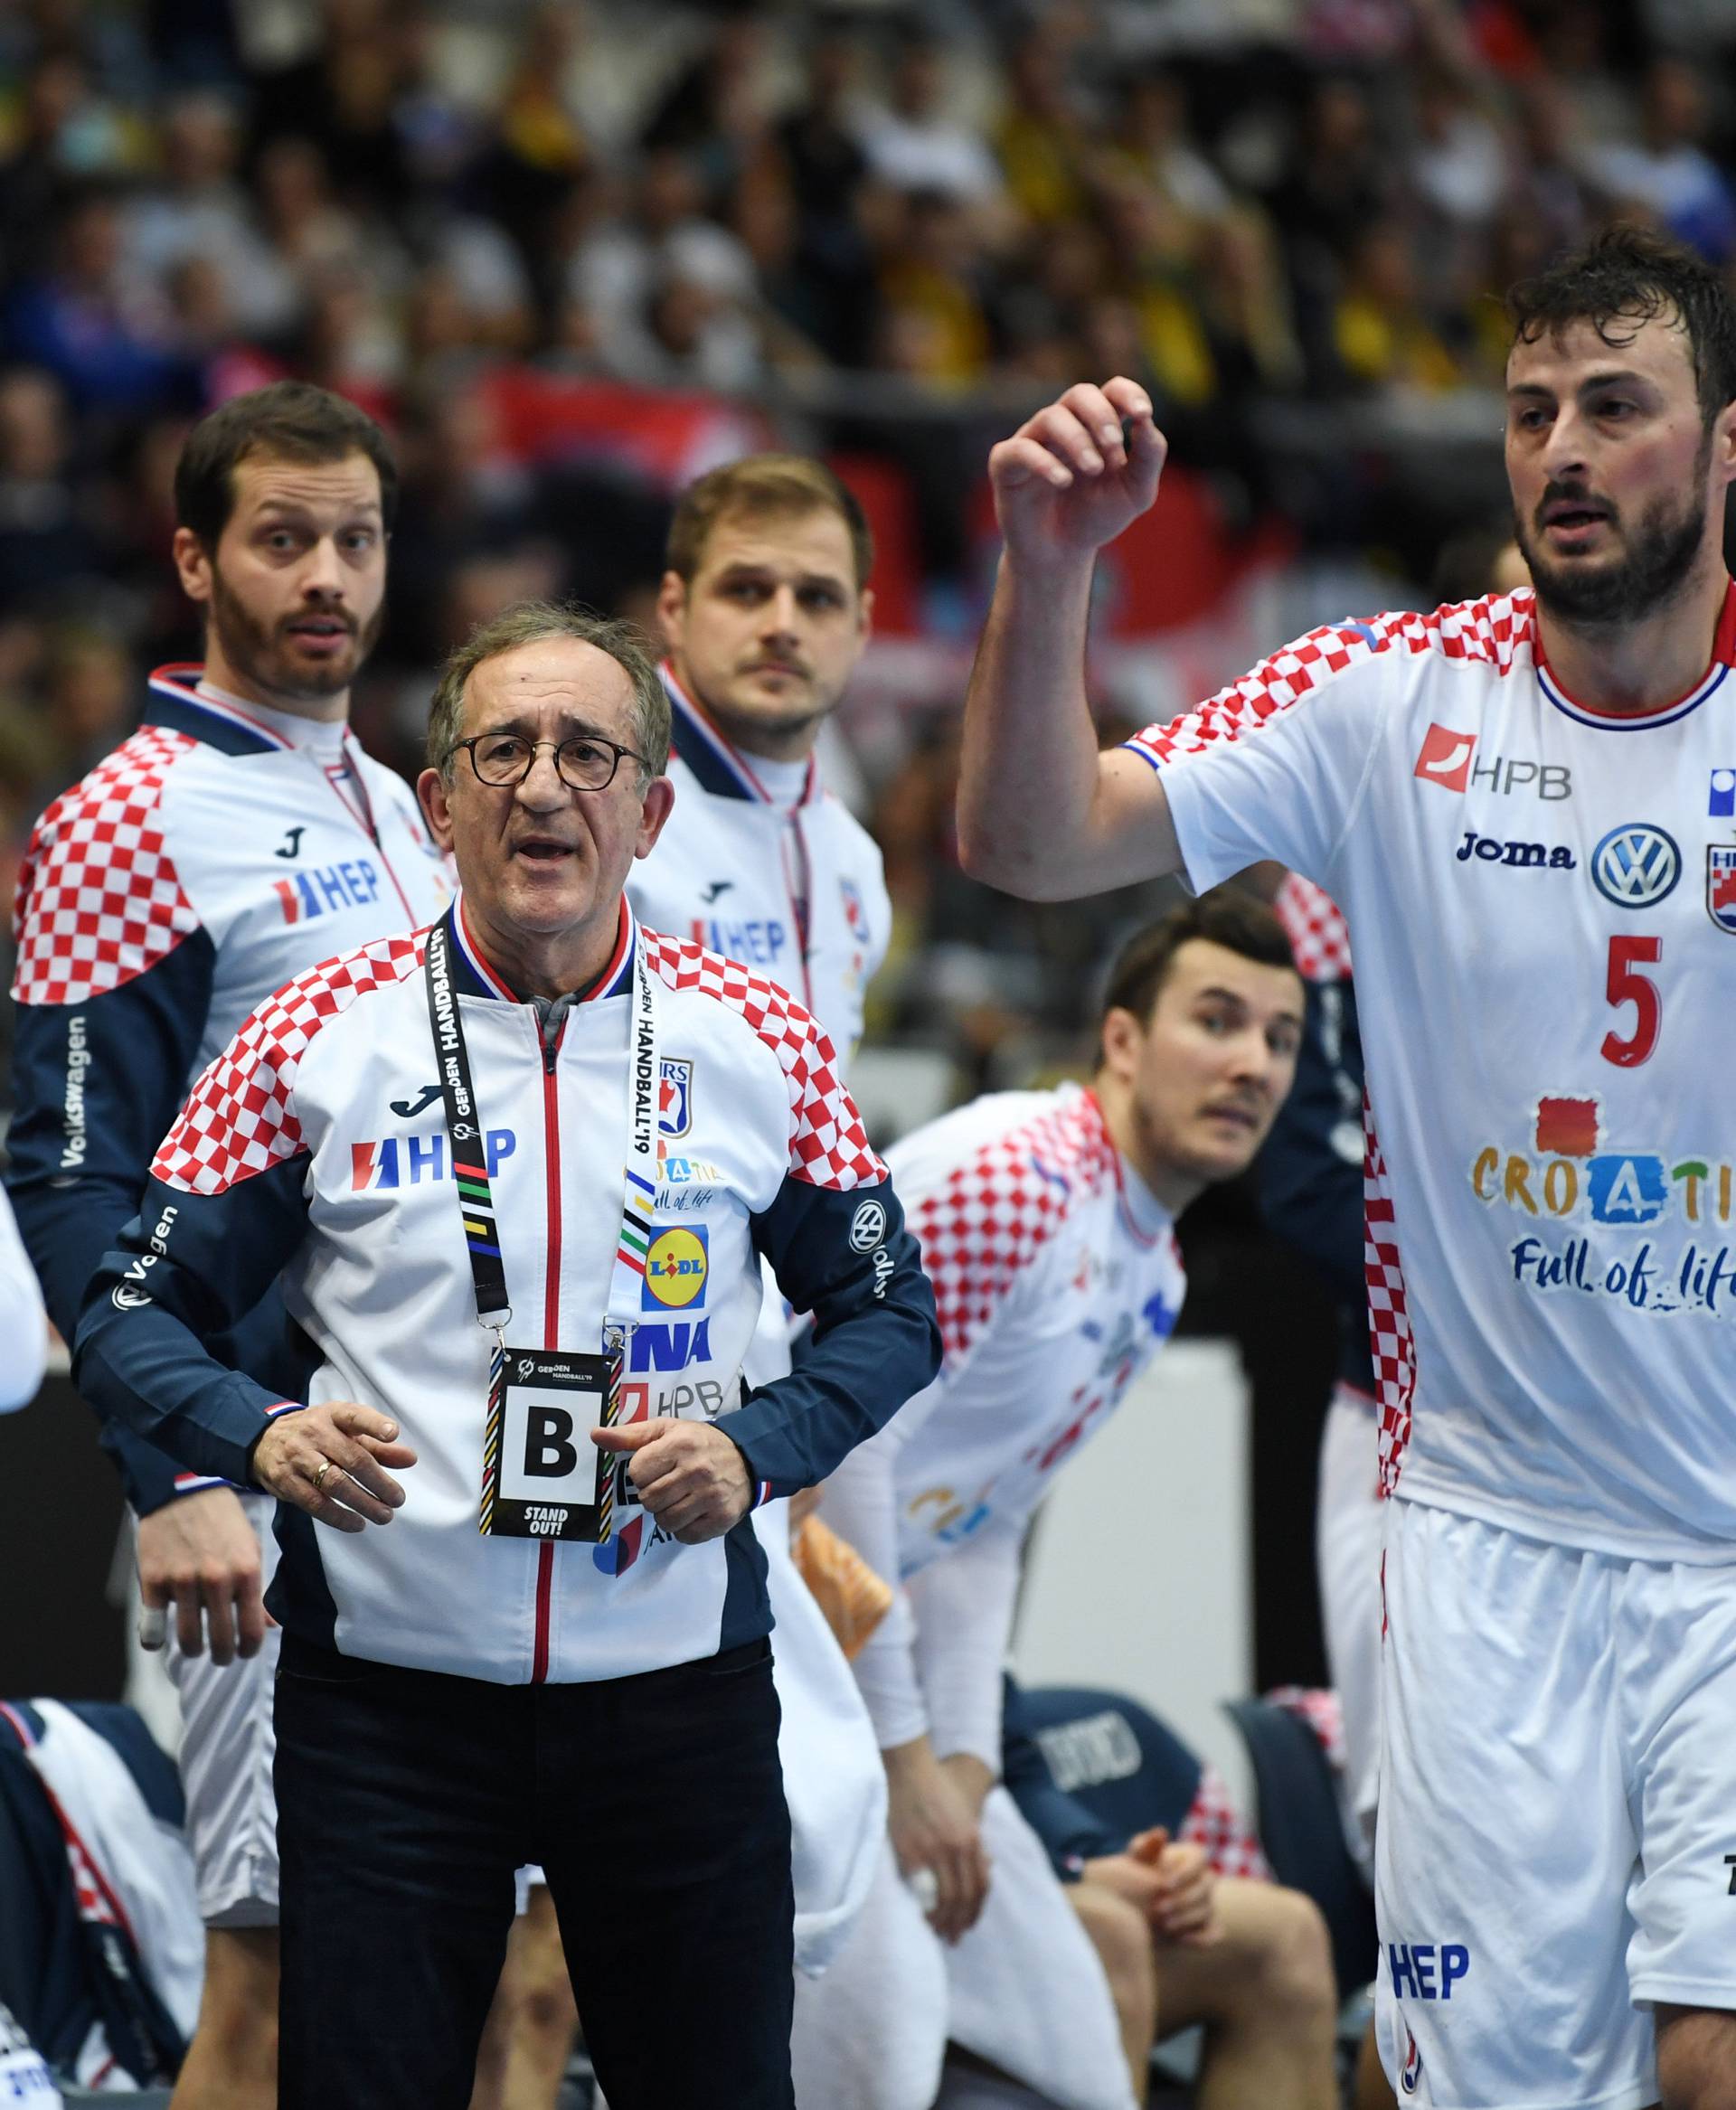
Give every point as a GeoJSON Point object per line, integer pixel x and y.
{"type": "Point", "coordinates": [319, 1477]}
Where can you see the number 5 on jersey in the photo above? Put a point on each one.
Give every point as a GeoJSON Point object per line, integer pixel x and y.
{"type": "Point", "coordinates": [1626, 985]}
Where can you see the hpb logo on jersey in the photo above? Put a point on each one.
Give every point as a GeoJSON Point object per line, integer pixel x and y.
{"type": "Point", "coordinates": [675, 1094]}
{"type": "Point", "coordinates": [676, 1267]}
{"type": "Point", "coordinates": [408, 1161]}
{"type": "Point", "coordinates": [1446, 758]}
{"type": "Point", "coordinates": [350, 885]}
{"type": "Point", "coordinates": [1721, 887]}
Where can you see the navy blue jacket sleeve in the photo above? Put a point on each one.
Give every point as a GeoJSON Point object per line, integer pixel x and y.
{"type": "Point", "coordinates": [98, 1085]}
{"type": "Point", "coordinates": [188, 1265]}
{"type": "Point", "coordinates": [1069, 1832]}
{"type": "Point", "coordinates": [846, 1256]}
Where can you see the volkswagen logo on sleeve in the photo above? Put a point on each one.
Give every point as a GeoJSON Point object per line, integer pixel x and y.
{"type": "Point", "coordinates": [1635, 866]}
{"type": "Point", "coordinates": [867, 1227]}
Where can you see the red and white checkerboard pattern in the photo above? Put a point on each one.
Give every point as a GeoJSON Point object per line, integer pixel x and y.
{"type": "Point", "coordinates": [829, 1145]}
{"type": "Point", "coordinates": [1317, 933]}
{"type": "Point", "coordinates": [1389, 1321]}
{"type": "Point", "coordinates": [985, 1225]}
{"type": "Point", "coordinates": [239, 1120]}
{"type": "Point", "coordinates": [1322, 1710]}
{"type": "Point", "coordinates": [97, 900]}
{"type": "Point", "coordinates": [1492, 630]}
{"type": "Point", "coordinates": [1215, 1822]}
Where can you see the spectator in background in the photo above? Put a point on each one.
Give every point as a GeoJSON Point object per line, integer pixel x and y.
{"type": "Point", "coordinates": [714, 110]}
{"type": "Point", "coordinates": [47, 543]}
{"type": "Point", "coordinates": [1336, 184]}
{"type": "Point", "coordinates": [827, 169]}
{"type": "Point", "coordinates": [621, 268]}
{"type": "Point", "coordinates": [914, 145]}
{"type": "Point", "coordinates": [545, 135]}
{"type": "Point", "coordinates": [310, 231]}
{"type": "Point", "coordinates": [1457, 163]}
{"type": "Point", "coordinates": [1668, 171]}
{"type": "Point", "coordinates": [1545, 183]}
{"type": "Point", "coordinates": [1042, 140]}
{"type": "Point", "coordinates": [1384, 335]}
{"type": "Point", "coordinates": [89, 700]}
{"type": "Point", "coordinates": [199, 208]}
{"type": "Point", "coordinates": [90, 319]}
{"type": "Point", "coordinates": [932, 280]}
{"type": "Point", "coordinates": [343, 98]}
{"type": "Point", "coordinates": [44, 157]}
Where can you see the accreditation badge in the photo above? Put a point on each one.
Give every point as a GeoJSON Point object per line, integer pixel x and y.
{"type": "Point", "coordinates": [541, 1474]}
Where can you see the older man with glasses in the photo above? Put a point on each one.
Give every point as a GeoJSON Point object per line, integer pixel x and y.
{"type": "Point", "coordinates": [514, 1170]}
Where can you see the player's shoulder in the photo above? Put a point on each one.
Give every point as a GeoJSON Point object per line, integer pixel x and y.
{"type": "Point", "coordinates": [290, 1019]}
{"type": "Point", "coordinates": [1026, 1159]}
{"type": "Point", "coordinates": [1384, 661]}
{"type": "Point", "coordinates": [739, 999]}
{"type": "Point", "coordinates": [99, 900]}
{"type": "Point", "coordinates": [827, 1143]}
{"type": "Point", "coordinates": [1494, 632]}
{"type": "Point", "coordinates": [105, 809]}
{"type": "Point", "coordinates": [241, 1118]}
{"type": "Point", "coordinates": [987, 1191]}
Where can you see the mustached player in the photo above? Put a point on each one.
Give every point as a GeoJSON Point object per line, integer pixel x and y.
{"type": "Point", "coordinates": [239, 837]}
{"type": "Point", "coordinates": [1525, 807]}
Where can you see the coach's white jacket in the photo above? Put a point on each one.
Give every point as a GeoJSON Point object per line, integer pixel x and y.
{"type": "Point", "coordinates": [316, 1145]}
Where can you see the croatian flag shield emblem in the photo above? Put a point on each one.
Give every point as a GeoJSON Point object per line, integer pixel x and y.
{"type": "Point", "coordinates": [1721, 886]}
{"type": "Point", "coordinates": [674, 1095]}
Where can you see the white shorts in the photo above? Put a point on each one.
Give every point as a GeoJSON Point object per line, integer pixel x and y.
{"type": "Point", "coordinates": [1350, 1522]}
{"type": "Point", "coordinates": [1559, 1740]}
{"type": "Point", "coordinates": [1022, 1988]}
{"type": "Point", "coordinates": [227, 1745]}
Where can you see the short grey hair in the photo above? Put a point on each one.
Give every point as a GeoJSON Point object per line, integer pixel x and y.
{"type": "Point", "coordinates": [530, 622]}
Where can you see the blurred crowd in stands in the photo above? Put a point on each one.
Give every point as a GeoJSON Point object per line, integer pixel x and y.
{"type": "Point", "coordinates": [573, 254]}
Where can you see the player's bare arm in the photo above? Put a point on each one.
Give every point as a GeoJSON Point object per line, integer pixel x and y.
{"type": "Point", "coordinates": [1041, 813]}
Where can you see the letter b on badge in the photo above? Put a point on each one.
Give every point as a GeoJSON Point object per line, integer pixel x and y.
{"type": "Point", "coordinates": [550, 1401]}
{"type": "Point", "coordinates": [550, 1452]}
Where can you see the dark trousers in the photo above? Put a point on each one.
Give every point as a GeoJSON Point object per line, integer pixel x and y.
{"type": "Point", "coordinates": [656, 1805]}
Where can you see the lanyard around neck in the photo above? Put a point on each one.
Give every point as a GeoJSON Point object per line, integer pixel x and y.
{"type": "Point", "coordinates": [469, 1156]}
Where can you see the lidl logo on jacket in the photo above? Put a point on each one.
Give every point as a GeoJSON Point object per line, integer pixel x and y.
{"type": "Point", "coordinates": [676, 1267]}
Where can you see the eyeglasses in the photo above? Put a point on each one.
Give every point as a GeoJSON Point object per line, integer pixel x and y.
{"type": "Point", "coordinates": [585, 762]}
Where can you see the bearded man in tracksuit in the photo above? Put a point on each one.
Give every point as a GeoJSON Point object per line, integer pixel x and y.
{"type": "Point", "coordinates": [456, 1149]}
{"type": "Point", "coordinates": [240, 835]}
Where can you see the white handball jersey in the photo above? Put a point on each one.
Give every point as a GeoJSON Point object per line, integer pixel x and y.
{"type": "Point", "coordinates": [1542, 901]}
{"type": "Point", "coordinates": [1056, 1277]}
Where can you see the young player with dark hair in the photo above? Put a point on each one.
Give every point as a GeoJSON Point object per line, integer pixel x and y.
{"type": "Point", "coordinates": [1046, 1224]}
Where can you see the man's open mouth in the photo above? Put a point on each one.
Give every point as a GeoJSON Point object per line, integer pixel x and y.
{"type": "Point", "coordinates": [1570, 514]}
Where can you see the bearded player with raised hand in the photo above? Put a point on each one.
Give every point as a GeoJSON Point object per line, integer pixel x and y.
{"type": "Point", "coordinates": [1526, 807]}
